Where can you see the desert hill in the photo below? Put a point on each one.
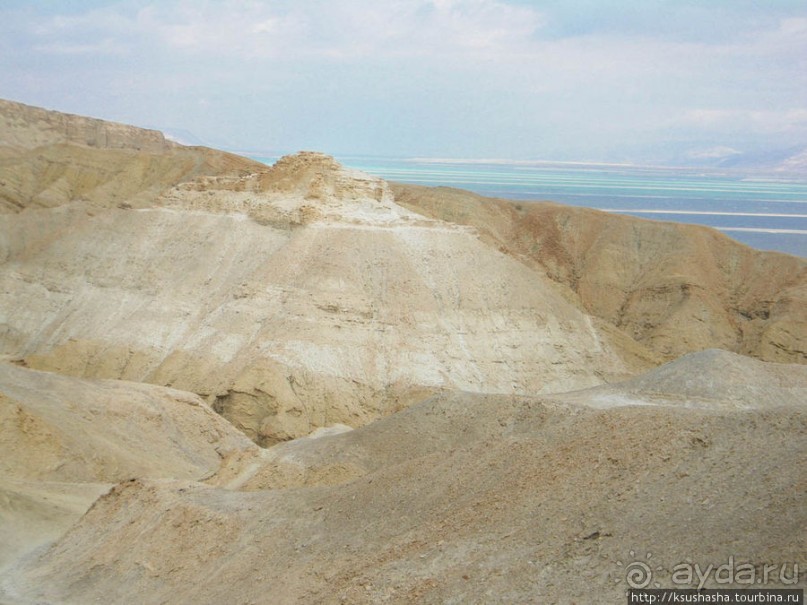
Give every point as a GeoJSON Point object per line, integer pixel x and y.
{"type": "Point", "coordinates": [27, 127]}
{"type": "Point", "coordinates": [462, 399]}
{"type": "Point", "coordinates": [464, 498]}
{"type": "Point", "coordinates": [49, 159]}
{"type": "Point", "coordinates": [674, 288]}
{"type": "Point", "coordinates": [292, 298]}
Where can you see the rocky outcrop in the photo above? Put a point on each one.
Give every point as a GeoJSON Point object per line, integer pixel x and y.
{"type": "Point", "coordinates": [26, 127]}
{"type": "Point", "coordinates": [299, 189]}
{"type": "Point", "coordinates": [674, 288]}
{"type": "Point", "coordinates": [50, 159]}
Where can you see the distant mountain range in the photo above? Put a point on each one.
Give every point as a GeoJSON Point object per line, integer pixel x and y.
{"type": "Point", "coordinates": [781, 160]}
{"type": "Point", "coordinates": [788, 160]}
{"type": "Point", "coordinates": [791, 160]}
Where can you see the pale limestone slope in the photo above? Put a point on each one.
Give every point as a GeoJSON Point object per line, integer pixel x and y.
{"type": "Point", "coordinates": [465, 498]}
{"type": "Point", "coordinates": [293, 299]}
{"type": "Point", "coordinates": [306, 295]}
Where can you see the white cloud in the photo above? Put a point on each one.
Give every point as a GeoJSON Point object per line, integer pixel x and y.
{"type": "Point", "coordinates": [483, 24]}
{"type": "Point", "coordinates": [794, 26]}
{"type": "Point", "coordinates": [713, 153]}
{"type": "Point", "coordinates": [759, 121]}
{"type": "Point", "coordinates": [235, 28]}
{"type": "Point", "coordinates": [106, 46]}
{"type": "Point", "coordinates": [352, 29]}
{"type": "Point", "coordinates": [468, 71]}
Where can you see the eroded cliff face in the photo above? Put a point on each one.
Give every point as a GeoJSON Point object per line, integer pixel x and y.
{"type": "Point", "coordinates": [50, 159]}
{"type": "Point", "coordinates": [674, 288]}
{"type": "Point", "coordinates": [26, 127]}
{"type": "Point", "coordinates": [292, 299]}
{"type": "Point", "coordinates": [441, 324]}
{"type": "Point", "coordinates": [304, 294]}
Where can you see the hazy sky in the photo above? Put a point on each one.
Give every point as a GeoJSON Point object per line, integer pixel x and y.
{"type": "Point", "coordinates": [545, 79]}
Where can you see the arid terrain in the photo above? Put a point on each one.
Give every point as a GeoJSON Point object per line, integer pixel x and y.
{"type": "Point", "coordinates": [222, 382]}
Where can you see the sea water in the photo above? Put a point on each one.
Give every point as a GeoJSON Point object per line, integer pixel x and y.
{"type": "Point", "coordinates": [768, 212]}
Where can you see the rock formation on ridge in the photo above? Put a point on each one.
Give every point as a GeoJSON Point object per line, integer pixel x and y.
{"type": "Point", "coordinates": [292, 298]}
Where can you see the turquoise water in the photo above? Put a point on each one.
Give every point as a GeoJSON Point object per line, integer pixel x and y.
{"type": "Point", "coordinates": [766, 213]}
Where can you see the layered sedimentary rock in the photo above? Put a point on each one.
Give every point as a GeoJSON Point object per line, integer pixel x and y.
{"type": "Point", "coordinates": [26, 127]}
{"type": "Point", "coordinates": [50, 159]}
{"type": "Point", "coordinates": [409, 348]}
{"type": "Point", "coordinates": [674, 288]}
{"type": "Point", "coordinates": [294, 298]}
